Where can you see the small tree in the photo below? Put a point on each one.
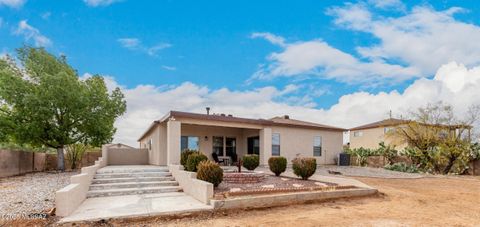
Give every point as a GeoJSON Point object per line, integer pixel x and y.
{"type": "Point", "coordinates": [75, 154]}
{"type": "Point", "coordinates": [44, 102]}
{"type": "Point", "coordinates": [438, 141]}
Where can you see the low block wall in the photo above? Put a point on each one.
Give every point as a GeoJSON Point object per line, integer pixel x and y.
{"type": "Point", "coordinates": [123, 156]}
{"type": "Point", "coordinates": [198, 189]}
{"type": "Point", "coordinates": [70, 197]}
{"type": "Point", "coordinates": [378, 161]}
{"type": "Point", "coordinates": [13, 162]}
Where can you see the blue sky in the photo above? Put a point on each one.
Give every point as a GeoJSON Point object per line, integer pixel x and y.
{"type": "Point", "coordinates": [310, 54]}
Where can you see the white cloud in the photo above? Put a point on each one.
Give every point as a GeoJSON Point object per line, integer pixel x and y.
{"type": "Point", "coordinates": [96, 3]}
{"type": "Point", "coordinates": [274, 39]}
{"type": "Point", "coordinates": [31, 33]}
{"type": "Point", "coordinates": [423, 38]}
{"type": "Point", "coordinates": [318, 58]}
{"type": "Point", "coordinates": [12, 3]}
{"type": "Point", "coordinates": [169, 68]}
{"type": "Point", "coordinates": [136, 45]}
{"type": "Point", "coordinates": [396, 5]}
{"type": "Point", "coordinates": [454, 84]}
{"type": "Point", "coordinates": [46, 15]}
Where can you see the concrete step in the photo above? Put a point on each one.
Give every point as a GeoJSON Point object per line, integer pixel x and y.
{"type": "Point", "coordinates": [132, 170]}
{"type": "Point", "coordinates": [133, 185]}
{"type": "Point", "coordinates": [130, 180]}
{"type": "Point", "coordinates": [134, 175]}
{"type": "Point", "coordinates": [132, 191]}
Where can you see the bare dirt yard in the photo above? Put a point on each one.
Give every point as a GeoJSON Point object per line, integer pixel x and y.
{"type": "Point", "coordinates": [430, 201]}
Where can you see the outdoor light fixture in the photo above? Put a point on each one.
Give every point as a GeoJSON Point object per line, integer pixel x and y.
{"type": "Point", "coordinates": [206, 138]}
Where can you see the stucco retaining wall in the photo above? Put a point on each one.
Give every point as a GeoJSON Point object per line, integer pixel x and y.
{"type": "Point", "coordinates": [198, 189]}
{"type": "Point", "coordinates": [288, 199]}
{"type": "Point", "coordinates": [70, 197]}
{"type": "Point", "coordinates": [124, 156]}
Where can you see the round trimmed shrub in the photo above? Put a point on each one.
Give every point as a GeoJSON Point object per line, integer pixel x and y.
{"type": "Point", "coordinates": [277, 165]}
{"type": "Point", "coordinates": [184, 156]}
{"type": "Point", "coordinates": [251, 161]}
{"type": "Point", "coordinates": [210, 171]}
{"type": "Point", "coordinates": [194, 159]}
{"type": "Point", "coordinates": [304, 167]}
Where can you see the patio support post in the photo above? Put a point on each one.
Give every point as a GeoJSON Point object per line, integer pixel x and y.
{"type": "Point", "coordinates": [173, 142]}
{"type": "Point", "coordinates": [265, 145]}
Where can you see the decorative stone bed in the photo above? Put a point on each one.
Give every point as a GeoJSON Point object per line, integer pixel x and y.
{"type": "Point", "coordinates": [240, 184]}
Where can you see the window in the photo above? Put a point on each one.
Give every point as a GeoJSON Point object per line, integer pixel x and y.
{"type": "Point", "coordinates": [150, 144]}
{"type": "Point", "coordinates": [317, 146]}
{"type": "Point", "coordinates": [217, 142]}
{"type": "Point", "coordinates": [189, 142]}
{"type": "Point", "coordinates": [357, 134]}
{"type": "Point", "coordinates": [275, 144]}
{"type": "Point", "coordinates": [253, 145]}
{"type": "Point", "coordinates": [388, 129]}
{"type": "Point", "coordinates": [230, 146]}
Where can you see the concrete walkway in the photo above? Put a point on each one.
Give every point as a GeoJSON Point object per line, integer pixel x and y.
{"type": "Point", "coordinates": [135, 206]}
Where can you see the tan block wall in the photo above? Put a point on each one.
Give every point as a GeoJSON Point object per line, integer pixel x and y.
{"type": "Point", "coordinates": [295, 141]}
{"type": "Point", "coordinates": [122, 156]}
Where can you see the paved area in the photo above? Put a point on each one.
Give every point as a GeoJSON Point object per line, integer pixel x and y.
{"type": "Point", "coordinates": [357, 171]}
{"type": "Point", "coordinates": [135, 205]}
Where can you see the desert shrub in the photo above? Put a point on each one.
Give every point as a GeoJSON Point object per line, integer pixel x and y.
{"type": "Point", "coordinates": [402, 167]}
{"type": "Point", "coordinates": [251, 161]}
{"type": "Point", "coordinates": [361, 154]}
{"type": "Point", "coordinates": [277, 165]}
{"type": "Point", "coordinates": [304, 167]}
{"type": "Point", "coordinates": [193, 160]}
{"type": "Point", "coordinates": [387, 151]}
{"type": "Point", "coordinates": [184, 156]}
{"type": "Point", "coordinates": [210, 171]}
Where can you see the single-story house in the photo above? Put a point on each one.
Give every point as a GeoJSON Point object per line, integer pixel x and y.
{"type": "Point", "coordinates": [370, 135]}
{"type": "Point", "coordinates": [226, 135]}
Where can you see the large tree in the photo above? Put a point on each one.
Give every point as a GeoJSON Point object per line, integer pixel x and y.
{"type": "Point", "coordinates": [45, 103]}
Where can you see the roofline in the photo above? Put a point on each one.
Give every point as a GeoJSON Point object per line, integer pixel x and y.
{"type": "Point", "coordinates": [231, 119]}
{"type": "Point", "coordinates": [406, 122]}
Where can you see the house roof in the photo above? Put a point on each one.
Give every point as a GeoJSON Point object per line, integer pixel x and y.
{"type": "Point", "coordinates": [395, 122]}
{"type": "Point", "coordinates": [276, 121]}
{"type": "Point", "coordinates": [382, 123]}
{"type": "Point", "coordinates": [286, 121]}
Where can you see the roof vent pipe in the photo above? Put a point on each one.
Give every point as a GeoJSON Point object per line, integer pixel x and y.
{"type": "Point", "coordinates": [286, 117]}
{"type": "Point", "coordinates": [208, 110]}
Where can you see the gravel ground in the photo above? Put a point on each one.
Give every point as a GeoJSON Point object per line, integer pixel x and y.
{"type": "Point", "coordinates": [357, 171]}
{"type": "Point", "coordinates": [30, 193]}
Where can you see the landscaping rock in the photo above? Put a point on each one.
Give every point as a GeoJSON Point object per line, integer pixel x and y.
{"type": "Point", "coordinates": [297, 185]}
{"type": "Point", "coordinates": [268, 186]}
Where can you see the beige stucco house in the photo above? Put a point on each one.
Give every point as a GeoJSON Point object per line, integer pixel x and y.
{"type": "Point", "coordinates": [370, 135]}
{"type": "Point", "coordinates": [226, 134]}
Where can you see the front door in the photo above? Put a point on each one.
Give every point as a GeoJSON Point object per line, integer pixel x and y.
{"type": "Point", "coordinates": [253, 145]}
{"type": "Point", "coordinates": [230, 146]}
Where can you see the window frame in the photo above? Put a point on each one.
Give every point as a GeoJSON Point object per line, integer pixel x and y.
{"type": "Point", "coordinates": [222, 150]}
{"type": "Point", "coordinates": [317, 146]}
{"type": "Point", "coordinates": [276, 145]}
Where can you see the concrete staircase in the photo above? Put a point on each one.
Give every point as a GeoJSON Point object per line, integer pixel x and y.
{"type": "Point", "coordinates": [132, 180]}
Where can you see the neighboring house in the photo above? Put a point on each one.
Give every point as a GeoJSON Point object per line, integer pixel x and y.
{"type": "Point", "coordinates": [225, 135]}
{"type": "Point", "coordinates": [119, 146]}
{"type": "Point", "coordinates": [370, 135]}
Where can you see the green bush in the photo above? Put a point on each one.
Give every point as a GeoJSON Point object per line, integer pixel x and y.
{"type": "Point", "coordinates": [251, 161]}
{"type": "Point", "coordinates": [193, 160]}
{"type": "Point", "coordinates": [361, 154]}
{"type": "Point", "coordinates": [184, 156]}
{"type": "Point", "coordinates": [210, 171]}
{"type": "Point", "coordinates": [277, 165]}
{"type": "Point", "coordinates": [304, 167]}
{"type": "Point", "coordinates": [402, 167]}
